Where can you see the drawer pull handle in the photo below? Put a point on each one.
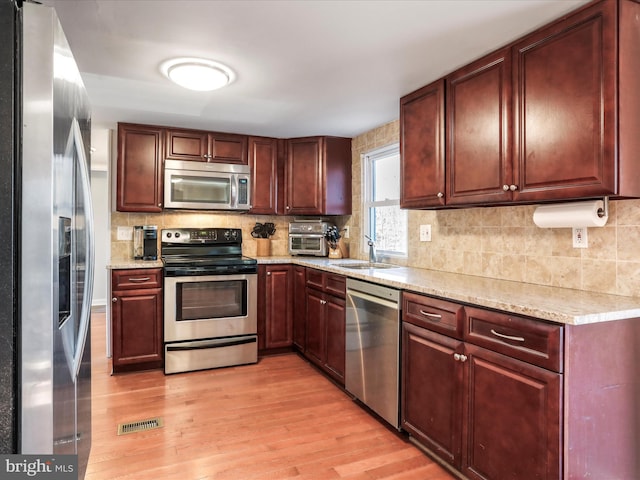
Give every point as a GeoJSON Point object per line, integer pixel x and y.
{"type": "Point", "coordinates": [141, 279]}
{"type": "Point", "coordinates": [435, 316]}
{"type": "Point", "coordinates": [508, 337]}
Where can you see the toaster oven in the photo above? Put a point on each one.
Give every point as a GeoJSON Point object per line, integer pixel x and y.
{"type": "Point", "coordinates": [307, 238]}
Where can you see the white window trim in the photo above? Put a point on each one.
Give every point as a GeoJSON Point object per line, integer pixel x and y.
{"type": "Point", "coordinates": [366, 159]}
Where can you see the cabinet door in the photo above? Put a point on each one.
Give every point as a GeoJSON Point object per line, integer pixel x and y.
{"type": "Point", "coordinates": [263, 159]}
{"type": "Point", "coordinates": [190, 145]}
{"type": "Point", "coordinates": [316, 329]}
{"type": "Point", "coordinates": [335, 316]}
{"type": "Point", "coordinates": [139, 168]}
{"type": "Point", "coordinates": [305, 176]}
{"type": "Point", "coordinates": [479, 156]}
{"type": "Point", "coordinates": [431, 391]}
{"type": "Point", "coordinates": [513, 419]}
{"type": "Point", "coordinates": [299, 307]}
{"type": "Point", "coordinates": [137, 329]}
{"type": "Point", "coordinates": [279, 315]}
{"type": "Point", "coordinates": [228, 148]}
{"type": "Point", "coordinates": [422, 147]}
{"type": "Point", "coordinates": [565, 107]}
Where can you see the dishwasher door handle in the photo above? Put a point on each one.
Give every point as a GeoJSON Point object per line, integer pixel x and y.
{"type": "Point", "coordinates": [373, 299]}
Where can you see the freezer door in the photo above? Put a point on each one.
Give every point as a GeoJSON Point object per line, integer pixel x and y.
{"type": "Point", "coordinates": [56, 273]}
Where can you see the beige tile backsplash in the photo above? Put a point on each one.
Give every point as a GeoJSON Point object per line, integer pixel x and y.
{"type": "Point", "coordinates": [496, 242]}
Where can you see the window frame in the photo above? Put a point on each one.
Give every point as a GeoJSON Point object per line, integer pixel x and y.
{"type": "Point", "coordinates": [368, 203]}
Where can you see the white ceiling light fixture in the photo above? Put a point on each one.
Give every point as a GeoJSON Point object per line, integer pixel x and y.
{"type": "Point", "coordinates": [197, 73]}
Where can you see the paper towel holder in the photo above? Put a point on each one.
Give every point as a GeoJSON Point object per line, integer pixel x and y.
{"type": "Point", "coordinates": [604, 211]}
{"type": "Point", "coordinates": [593, 212]}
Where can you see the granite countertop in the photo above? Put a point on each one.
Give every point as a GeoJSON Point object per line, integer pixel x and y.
{"type": "Point", "coordinates": [560, 305]}
{"type": "Point", "coordinates": [126, 264]}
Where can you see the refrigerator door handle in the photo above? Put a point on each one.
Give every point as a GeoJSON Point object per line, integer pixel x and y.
{"type": "Point", "coordinates": [85, 314]}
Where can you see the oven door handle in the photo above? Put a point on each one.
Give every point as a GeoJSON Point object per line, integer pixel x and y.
{"type": "Point", "coordinates": [211, 344]}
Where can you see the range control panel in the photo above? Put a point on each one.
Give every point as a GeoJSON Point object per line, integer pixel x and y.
{"type": "Point", "coordinates": [202, 235]}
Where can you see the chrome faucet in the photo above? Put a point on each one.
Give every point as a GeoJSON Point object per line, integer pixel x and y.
{"type": "Point", "coordinates": [372, 250]}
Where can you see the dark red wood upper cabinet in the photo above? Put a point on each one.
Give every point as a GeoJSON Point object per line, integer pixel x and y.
{"type": "Point", "coordinates": [139, 168]}
{"type": "Point", "coordinates": [189, 145]}
{"type": "Point", "coordinates": [478, 153]}
{"type": "Point", "coordinates": [565, 107]}
{"type": "Point", "coordinates": [422, 147]}
{"type": "Point", "coordinates": [553, 116]}
{"type": "Point", "coordinates": [264, 163]}
{"type": "Point", "coordinates": [202, 146]}
{"type": "Point", "coordinates": [318, 176]}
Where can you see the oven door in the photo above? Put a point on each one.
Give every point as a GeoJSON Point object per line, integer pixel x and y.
{"type": "Point", "coordinates": [307, 244]}
{"type": "Point", "coordinates": [198, 190]}
{"type": "Point", "coordinates": [209, 306]}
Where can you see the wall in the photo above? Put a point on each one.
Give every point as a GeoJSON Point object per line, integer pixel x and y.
{"type": "Point", "coordinates": [100, 200]}
{"type": "Point", "coordinates": [503, 242]}
{"type": "Point", "coordinates": [123, 250]}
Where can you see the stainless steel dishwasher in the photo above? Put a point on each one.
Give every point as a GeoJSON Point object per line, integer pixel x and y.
{"type": "Point", "coordinates": [372, 359]}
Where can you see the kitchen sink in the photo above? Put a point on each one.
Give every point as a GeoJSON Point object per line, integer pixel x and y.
{"type": "Point", "coordinates": [367, 265]}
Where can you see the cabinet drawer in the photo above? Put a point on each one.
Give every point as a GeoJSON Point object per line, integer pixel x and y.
{"type": "Point", "coordinates": [335, 284]}
{"type": "Point", "coordinates": [136, 279]}
{"type": "Point", "coordinates": [434, 314]}
{"type": "Point", "coordinates": [530, 340]}
{"type": "Point", "coordinates": [315, 278]}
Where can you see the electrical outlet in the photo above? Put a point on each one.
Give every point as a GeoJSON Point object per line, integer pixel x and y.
{"type": "Point", "coordinates": [580, 237]}
{"type": "Point", "coordinates": [425, 233]}
{"type": "Point", "coordinates": [125, 233]}
{"type": "Point", "coordinates": [346, 232]}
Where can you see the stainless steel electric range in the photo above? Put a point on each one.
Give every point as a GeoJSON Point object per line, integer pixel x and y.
{"type": "Point", "coordinates": [210, 299]}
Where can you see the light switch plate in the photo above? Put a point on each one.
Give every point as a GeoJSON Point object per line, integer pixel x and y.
{"type": "Point", "coordinates": [425, 233]}
{"type": "Point", "coordinates": [125, 233]}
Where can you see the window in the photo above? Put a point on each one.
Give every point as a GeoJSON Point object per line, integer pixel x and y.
{"type": "Point", "coordinates": [384, 222]}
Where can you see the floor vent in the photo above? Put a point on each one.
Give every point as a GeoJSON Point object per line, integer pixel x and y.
{"type": "Point", "coordinates": [139, 426]}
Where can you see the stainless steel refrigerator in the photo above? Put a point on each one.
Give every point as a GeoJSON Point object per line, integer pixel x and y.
{"type": "Point", "coordinates": [48, 407]}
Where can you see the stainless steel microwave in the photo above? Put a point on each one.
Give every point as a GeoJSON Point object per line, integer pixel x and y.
{"type": "Point", "coordinates": [206, 186]}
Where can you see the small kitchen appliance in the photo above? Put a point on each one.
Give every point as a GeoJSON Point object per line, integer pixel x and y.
{"type": "Point", "coordinates": [307, 238]}
{"type": "Point", "coordinates": [145, 242]}
{"type": "Point", "coordinates": [207, 186]}
{"type": "Point", "coordinates": [210, 299]}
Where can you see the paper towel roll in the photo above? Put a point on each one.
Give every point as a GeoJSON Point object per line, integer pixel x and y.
{"type": "Point", "coordinates": [567, 215]}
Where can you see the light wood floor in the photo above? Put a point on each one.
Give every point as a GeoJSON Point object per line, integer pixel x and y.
{"type": "Point", "coordinates": [278, 419]}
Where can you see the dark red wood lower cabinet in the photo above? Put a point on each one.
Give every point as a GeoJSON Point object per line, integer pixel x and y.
{"type": "Point", "coordinates": [137, 330]}
{"type": "Point", "coordinates": [513, 413]}
{"type": "Point", "coordinates": [431, 400]}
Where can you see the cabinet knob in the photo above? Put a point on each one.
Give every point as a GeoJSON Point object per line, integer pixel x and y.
{"type": "Point", "coordinates": [513, 188]}
{"type": "Point", "coordinates": [440, 195]}
{"type": "Point", "coordinates": [459, 357]}
{"type": "Point", "coordinates": [505, 188]}
{"type": "Point", "coordinates": [268, 273]}
{"type": "Point", "coordinates": [114, 299]}
{"type": "Point", "coordinates": [288, 207]}
{"type": "Point", "coordinates": [159, 204]}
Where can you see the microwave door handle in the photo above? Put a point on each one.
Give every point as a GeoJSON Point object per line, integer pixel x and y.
{"type": "Point", "coordinates": [234, 191]}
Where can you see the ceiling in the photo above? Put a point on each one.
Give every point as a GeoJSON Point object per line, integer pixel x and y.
{"type": "Point", "coordinates": [304, 67]}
